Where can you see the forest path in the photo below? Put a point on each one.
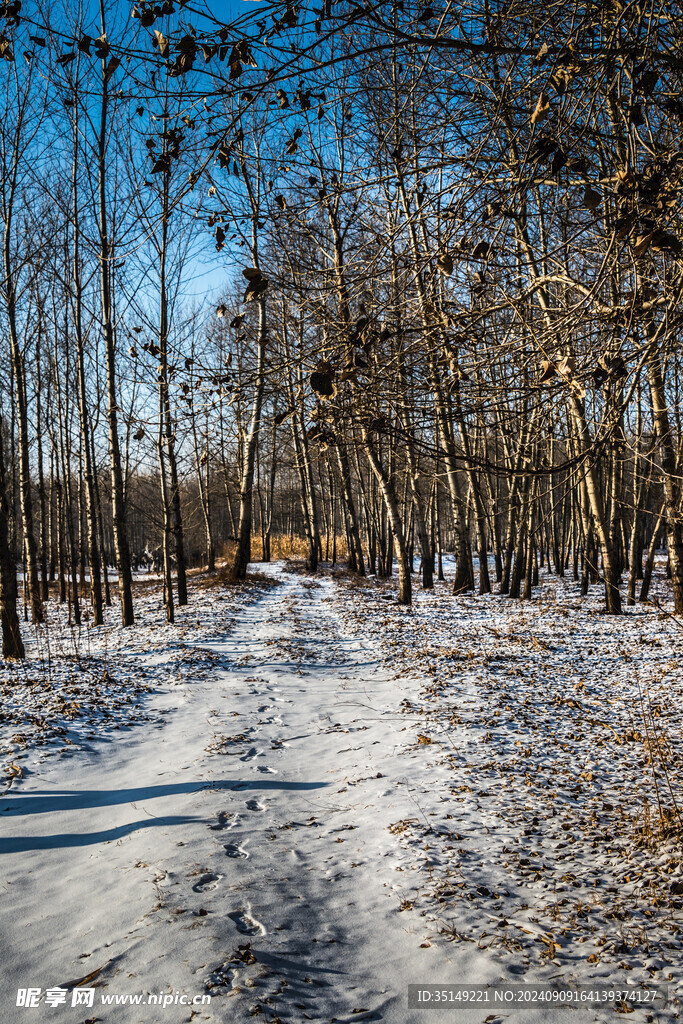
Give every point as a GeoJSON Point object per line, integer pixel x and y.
{"type": "Point", "coordinates": [241, 842]}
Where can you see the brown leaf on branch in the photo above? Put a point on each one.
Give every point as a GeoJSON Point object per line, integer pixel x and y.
{"type": "Point", "coordinates": [445, 263]}
{"type": "Point", "coordinates": [548, 371]}
{"type": "Point", "coordinates": [161, 43]}
{"type": "Point", "coordinates": [257, 283]}
{"type": "Point", "coordinates": [282, 416]}
{"type": "Point", "coordinates": [111, 68]}
{"type": "Point", "coordinates": [591, 198]}
{"type": "Point", "coordinates": [542, 109]}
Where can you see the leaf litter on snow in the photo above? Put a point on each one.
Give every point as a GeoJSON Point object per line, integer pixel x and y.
{"type": "Point", "coordinates": [550, 826]}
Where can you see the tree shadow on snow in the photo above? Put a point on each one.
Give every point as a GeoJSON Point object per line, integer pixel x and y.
{"type": "Point", "coordinates": [23, 844]}
{"type": "Point", "coordinates": [50, 801]}
{"type": "Point", "coordinates": [45, 801]}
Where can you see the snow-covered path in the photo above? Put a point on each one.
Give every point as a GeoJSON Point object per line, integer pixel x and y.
{"type": "Point", "coordinates": [241, 842]}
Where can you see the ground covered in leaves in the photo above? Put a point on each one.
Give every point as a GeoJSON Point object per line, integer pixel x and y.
{"type": "Point", "coordinates": [552, 834]}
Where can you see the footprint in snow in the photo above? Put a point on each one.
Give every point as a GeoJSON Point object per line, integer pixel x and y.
{"type": "Point", "coordinates": [250, 754]}
{"type": "Point", "coordinates": [222, 821]}
{"type": "Point", "coordinates": [267, 771]}
{"type": "Point", "coordinates": [233, 850]}
{"type": "Point", "coordinates": [255, 805]}
{"type": "Point", "coordinates": [246, 924]}
{"type": "Point", "coordinates": [209, 880]}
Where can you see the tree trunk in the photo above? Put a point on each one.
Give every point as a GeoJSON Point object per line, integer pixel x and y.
{"type": "Point", "coordinates": [242, 555]}
{"type": "Point", "coordinates": [123, 568]}
{"type": "Point", "coordinates": [671, 488]}
{"type": "Point", "coordinates": [12, 644]}
{"type": "Point", "coordinates": [389, 495]}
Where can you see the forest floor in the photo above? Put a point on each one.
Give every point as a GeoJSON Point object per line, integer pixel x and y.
{"type": "Point", "coordinates": [302, 797]}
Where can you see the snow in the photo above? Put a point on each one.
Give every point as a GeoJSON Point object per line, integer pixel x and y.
{"type": "Point", "coordinates": [307, 797]}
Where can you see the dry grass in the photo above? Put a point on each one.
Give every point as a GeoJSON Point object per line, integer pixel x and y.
{"type": "Point", "coordinates": [281, 546]}
{"type": "Point", "coordinates": [342, 546]}
{"type": "Point", "coordinates": [284, 546]}
{"type": "Point", "coordinates": [227, 551]}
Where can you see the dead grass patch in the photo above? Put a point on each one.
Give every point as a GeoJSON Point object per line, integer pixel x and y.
{"type": "Point", "coordinates": [284, 546]}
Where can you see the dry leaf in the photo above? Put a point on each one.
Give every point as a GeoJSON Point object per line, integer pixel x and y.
{"type": "Point", "coordinates": [542, 109]}
{"type": "Point", "coordinates": [642, 244]}
{"type": "Point", "coordinates": [548, 371]}
{"type": "Point", "coordinates": [591, 198]}
{"type": "Point", "coordinates": [445, 263]}
{"type": "Point", "coordinates": [161, 43]}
